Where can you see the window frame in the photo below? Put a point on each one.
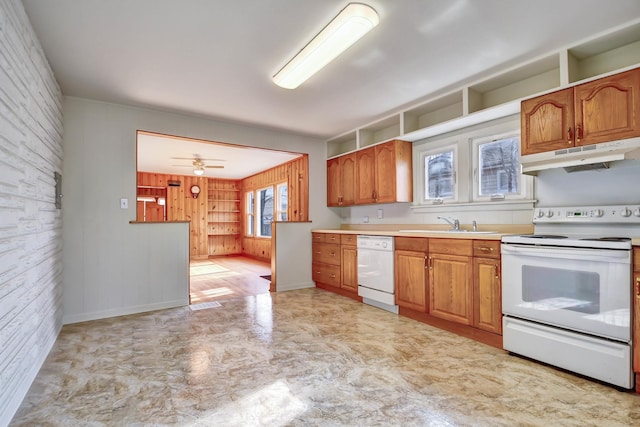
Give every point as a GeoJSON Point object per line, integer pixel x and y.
{"type": "Point", "coordinates": [278, 202]}
{"type": "Point", "coordinates": [421, 184]}
{"type": "Point", "coordinates": [259, 214]}
{"type": "Point", "coordinates": [249, 213]}
{"type": "Point", "coordinates": [525, 182]}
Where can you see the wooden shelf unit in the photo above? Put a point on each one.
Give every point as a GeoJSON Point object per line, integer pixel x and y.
{"type": "Point", "coordinates": [499, 95]}
{"type": "Point", "coordinates": [224, 223]}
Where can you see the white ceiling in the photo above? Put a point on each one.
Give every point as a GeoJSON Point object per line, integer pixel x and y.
{"type": "Point", "coordinates": [157, 153]}
{"type": "Point", "coordinates": [215, 58]}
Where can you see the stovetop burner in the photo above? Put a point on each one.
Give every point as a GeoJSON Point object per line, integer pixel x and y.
{"type": "Point", "coordinates": [544, 236]}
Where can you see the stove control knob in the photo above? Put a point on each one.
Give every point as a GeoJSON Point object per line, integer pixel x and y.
{"type": "Point", "coordinates": [625, 212]}
{"type": "Point", "coordinates": [549, 213]}
{"type": "Point", "coordinates": [540, 213]}
{"type": "Point", "coordinates": [637, 212]}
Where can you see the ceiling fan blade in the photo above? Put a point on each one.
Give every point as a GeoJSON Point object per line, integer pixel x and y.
{"type": "Point", "coordinates": [198, 158]}
{"type": "Point", "coordinates": [183, 166]}
{"type": "Point", "coordinates": [215, 167]}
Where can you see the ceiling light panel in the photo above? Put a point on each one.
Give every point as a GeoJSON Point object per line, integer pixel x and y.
{"type": "Point", "coordinates": [353, 22]}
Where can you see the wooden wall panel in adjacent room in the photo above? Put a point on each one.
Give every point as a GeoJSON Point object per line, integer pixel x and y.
{"type": "Point", "coordinates": [224, 219]}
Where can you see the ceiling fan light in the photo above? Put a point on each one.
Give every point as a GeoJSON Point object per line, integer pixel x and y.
{"type": "Point", "coordinates": [353, 22]}
{"type": "Point", "coordinates": [198, 171]}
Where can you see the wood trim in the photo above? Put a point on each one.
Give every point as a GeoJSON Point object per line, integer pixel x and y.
{"type": "Point", "coordinates": [456, 328]}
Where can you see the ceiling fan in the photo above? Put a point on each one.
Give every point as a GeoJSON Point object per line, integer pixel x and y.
{"type": "Point", "coordinates": [198, 164]}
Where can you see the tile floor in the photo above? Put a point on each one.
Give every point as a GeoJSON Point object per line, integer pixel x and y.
{"type": "Point", "coordinates": [301, 358]}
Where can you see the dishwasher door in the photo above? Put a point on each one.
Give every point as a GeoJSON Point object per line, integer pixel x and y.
{"type": "Point", "coordinates": [376, 272]}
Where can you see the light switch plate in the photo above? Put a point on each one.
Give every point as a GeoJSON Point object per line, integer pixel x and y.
{"type": "Point", "coordinates": [365, 220]}
{"type": "Point", "coordinates": [124, 203]}
{"type": "Point", "coordinates": [380, 214]}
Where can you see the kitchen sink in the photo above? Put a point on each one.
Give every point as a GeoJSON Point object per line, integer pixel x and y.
{"type": "Point", "coordinates": [447, 231]}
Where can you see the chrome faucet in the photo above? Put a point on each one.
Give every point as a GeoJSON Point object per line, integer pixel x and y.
{"type": "Point", "coordinates": [455, 224]}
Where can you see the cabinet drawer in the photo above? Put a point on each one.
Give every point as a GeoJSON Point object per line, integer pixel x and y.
{"type": "Point", "coordinates": [332, 238]}
{"type": "Point", "coordinates": [415, 244]}
{"type": "Point", "coordinates": [317, 237]}
{"type": "Point", "coordinates": [327, 274]}
{"type": "Point", "coordinates": [326, 253]}
{"type": "Point", "coordinates": [462, 247]}
{"type": "Point", "coordinates": [349, 239]}
{"type": "Point", "coordinates": [486, 248]}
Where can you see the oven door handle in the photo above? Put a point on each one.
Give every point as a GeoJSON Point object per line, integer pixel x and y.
{"type": "Point", "coordinates": [602, 255]}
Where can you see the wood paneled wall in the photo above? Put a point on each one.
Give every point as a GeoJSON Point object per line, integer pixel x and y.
{"type": "Point", "coordinates": [296, 174]}
{"type": "Point", "coordinates": [181, 206]}
{"type": "Point", "coordinates": [205, 233]}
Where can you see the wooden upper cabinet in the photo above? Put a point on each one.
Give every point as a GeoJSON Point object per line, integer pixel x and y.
{"type": "Point", "coordinates": [599, 111]}
{"type": "Point", "coordinates": [607, 109]}
{"type": "Point", "coordinates": [365, 176]}
{"type": "Point", "coordinates": [333, 182]}
{"type": "Point", "coordinates": [384, 173]}
{"type": "Point", "coordinates": [547, 122]}
{"type": "Point", "coordinates": [348, 179]}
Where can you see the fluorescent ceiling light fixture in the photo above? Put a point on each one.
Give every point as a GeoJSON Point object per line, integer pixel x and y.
{"type": "Point", "coordinates": [353, 22]}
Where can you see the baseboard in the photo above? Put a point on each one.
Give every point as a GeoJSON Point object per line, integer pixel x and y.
{"type": "Point", "coordinates": [96, 315]}
{"type": "Point", "coordinates": [294, 286]}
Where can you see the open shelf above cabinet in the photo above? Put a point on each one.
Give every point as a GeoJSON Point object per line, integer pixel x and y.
{"type": "Point", "coordinates": [499, 95]}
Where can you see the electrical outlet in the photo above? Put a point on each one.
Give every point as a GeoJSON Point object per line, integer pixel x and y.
{"type": "Point", "coordinates": [380, 214]}
{"type": "Point", "coordinates": [365, 220]}
{"type": "Point", "coordinates": [124, 203]}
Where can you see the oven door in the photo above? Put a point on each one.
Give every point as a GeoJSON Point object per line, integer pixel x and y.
{"type": "Point", "coordinates": [586, 290]}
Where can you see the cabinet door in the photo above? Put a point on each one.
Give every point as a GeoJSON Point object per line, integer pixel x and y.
{"type": "Point", "coordinates": [365, 176]}
{"type": "Point", "coordinates": [411, 280]}
{"type": "Point", "coordinates": [333, 182]}
{"type": "Point", "coordinates": [607, 109]}
{"type": "Point", "coordinates": [487, 297]}
{"type": "Point", "coordinates": [348, 179]}
{"type": "Point", "coordinates": [349, 264]}
{"type": "Point", "coordinates": [547, 122]}
{"type": "Point", "coordinates": [450, 284]}
{"type": "Point", "coordinates": [385, 173]}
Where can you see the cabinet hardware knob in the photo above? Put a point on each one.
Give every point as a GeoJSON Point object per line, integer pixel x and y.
{"type": "Point", "coordinates": [486, 249]}
{"type": "Point", "coordinates": [430, 263]}
{"type": "Point", "coordinates": [333, 276]}
{"type": "Point", "coordinates": [638, 286]}
{"type": "Point", "coordinates": [570, 136]}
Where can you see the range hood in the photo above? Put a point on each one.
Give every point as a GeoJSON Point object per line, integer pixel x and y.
{"type": "Point", "coordinates": [585, 157]}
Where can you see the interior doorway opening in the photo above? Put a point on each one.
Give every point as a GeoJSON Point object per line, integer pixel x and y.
{"type": "Point", "coordinates": [208, 184]}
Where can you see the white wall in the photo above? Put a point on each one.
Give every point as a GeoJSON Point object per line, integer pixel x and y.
{"type": "Point", "coordinates": [104, 258]}
{"type": "Point", "coordinates": [30, 225]}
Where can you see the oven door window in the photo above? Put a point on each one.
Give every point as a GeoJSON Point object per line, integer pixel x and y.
{"type": "Point", "coordinates": [580, 290]}
{"type": "Point", "coordinates": [576, 289]}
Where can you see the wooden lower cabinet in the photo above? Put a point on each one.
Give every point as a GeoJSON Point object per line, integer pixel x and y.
{"type": "Point", "coordinates": [411, 280]}
{"type": "Point", "coordinates": [487, 295]}
{"type": "Point", "coordinates": [335, 263]}
{"type": "Point", "coordinates": [451, 296]}
{"type": "Point", "coordinates": [636, 315]}
{"type": "Point", "coordinates": [349, 268]}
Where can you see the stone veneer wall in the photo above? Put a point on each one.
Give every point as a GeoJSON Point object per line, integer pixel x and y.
{"type": "Point", "coordinates": [30, 224]}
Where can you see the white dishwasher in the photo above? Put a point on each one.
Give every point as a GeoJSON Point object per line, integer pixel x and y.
{"type": "Point", "coordinates": [376, 272]}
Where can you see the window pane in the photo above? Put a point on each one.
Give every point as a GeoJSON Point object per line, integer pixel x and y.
{"type": "Point", "coordinates": [498, 167]}
{"type": "Point", "coordinates": [265, 198]}
{"type": "Point", "coordinates": [283, 202]}
{"type": "Point", "coordinates": [439, 175]}
{"type": "Point", "coordinates": [250, 217]}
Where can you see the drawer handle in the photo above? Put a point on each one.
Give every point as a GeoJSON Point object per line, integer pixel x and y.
{"type": "Point", "coordinates": [333, 238]}
{"type": "Point", "coordinates": [333, 254]}
{"type": "Point", "coordinates": [333, 276]}
{"type": "Point", "coordinates": [569, 136]}
{"type": "Point", "coordinates": [486, 249]}
{"type": "Point", "coordinates": [317, 252]}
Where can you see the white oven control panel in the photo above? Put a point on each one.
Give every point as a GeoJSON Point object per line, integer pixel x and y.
{"type": "Point", "coordinates": [619, 214]}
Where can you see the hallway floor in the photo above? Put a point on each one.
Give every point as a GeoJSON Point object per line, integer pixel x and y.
{"type": "Point", "coordinates": [227, 277]}
{"type": "Point", "coordinates": [301, 358]}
